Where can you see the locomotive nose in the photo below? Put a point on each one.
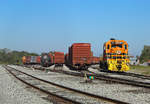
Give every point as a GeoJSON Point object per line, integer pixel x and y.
{"type": "Point", "coordinates": [119, 67]}
{"type": "Point", "coordinates": [119, 64]}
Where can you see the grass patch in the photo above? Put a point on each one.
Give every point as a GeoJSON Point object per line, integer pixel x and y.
{"type": "Point", "coordinates": [141, 69]}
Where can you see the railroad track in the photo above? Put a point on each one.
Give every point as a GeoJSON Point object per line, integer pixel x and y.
{"type": "Point", "coordinates": [123, 81]}
{"type": "Point", "coordinates": [125, 74]}
{"type": "Point", "coordinates": [59, 93]}
{"type": "Point", "coordinates": [135, 75]}
{"type": "Point", "coordinates": [104, 77]}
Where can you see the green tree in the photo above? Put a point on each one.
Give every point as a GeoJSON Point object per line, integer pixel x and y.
{"type": "Point", "coordinates": [145, 55]}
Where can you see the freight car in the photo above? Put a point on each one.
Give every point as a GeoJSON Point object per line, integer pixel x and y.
{"type": "Point", "coordinates": [95, 60]}
{"type": "Point", "coordinates": [46, 60]}
{"type": "Point", "coordinates": [115, 56]}
{"type": "Point", "coordinates": [38, 59]}
{"type": "Point", "coordinates": [58, 58]}
{"type": "Point", "coordinates": [31, 60]}
{"type": "Point", "coordinates": [28, 58]}
{"type": "Point", "coordinates": [79, 56]}
{"type": "Point", "coordinates": [24, 60]}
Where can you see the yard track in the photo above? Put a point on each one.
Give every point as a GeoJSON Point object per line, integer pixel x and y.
{"type": "Point", "coordinates": [48, 87]}
{"type": "Point", "coordinates": [103, 77]}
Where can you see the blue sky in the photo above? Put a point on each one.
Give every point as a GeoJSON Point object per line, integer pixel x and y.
{"type": "Point", "coordinates": [48, 25]}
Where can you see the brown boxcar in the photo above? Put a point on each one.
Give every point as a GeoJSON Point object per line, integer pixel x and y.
{"type": "Point", "coordinates": [80, 54]}
{"type": "Point", "coordinates": [38, 59]}
{"type": "Point", "coordinates": [58, 58]}
{"type": "Point", "coordinates": [95, 60]}
{"type": "Point", "coordinates": [28, 59]}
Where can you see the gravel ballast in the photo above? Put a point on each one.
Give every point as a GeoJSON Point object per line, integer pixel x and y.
{"type": "Point", "coordinates": [13, 91]}
{"type": "Point", "coordinates": [130, 94]}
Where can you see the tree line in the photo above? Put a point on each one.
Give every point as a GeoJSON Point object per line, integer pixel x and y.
{"type": "Point", "coordinates": [145, 55]}
{"type": "Point", "coordinates": [13, 57]}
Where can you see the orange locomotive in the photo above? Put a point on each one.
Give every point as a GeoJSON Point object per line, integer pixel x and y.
{"type": "Point", "coordinates": [115, 56]}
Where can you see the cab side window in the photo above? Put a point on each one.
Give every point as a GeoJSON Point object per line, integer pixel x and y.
{"type": "Point", "coordinates": [108, 46]}
{"type": "Point", "coordinates": [125, 46]}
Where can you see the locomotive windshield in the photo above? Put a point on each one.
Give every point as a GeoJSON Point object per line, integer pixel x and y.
{"type": "Point", "coordinates": [114, 44]}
